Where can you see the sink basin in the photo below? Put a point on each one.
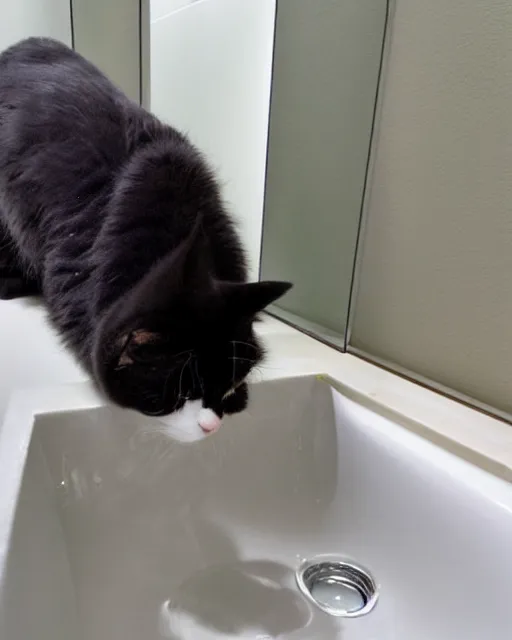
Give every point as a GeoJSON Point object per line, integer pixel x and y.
{"type": "Point", "coordinates": [111, 531]}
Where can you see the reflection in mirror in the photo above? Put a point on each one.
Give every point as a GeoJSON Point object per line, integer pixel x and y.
{"type": "Point", "coordinates": [326, 68]}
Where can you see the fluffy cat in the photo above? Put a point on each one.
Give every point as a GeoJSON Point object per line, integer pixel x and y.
{"type": "Point", "coordinates": [117, 220]}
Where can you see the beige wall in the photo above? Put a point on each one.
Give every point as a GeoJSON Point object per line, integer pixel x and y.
{"type": "Point", "coordinates": [435, 291]}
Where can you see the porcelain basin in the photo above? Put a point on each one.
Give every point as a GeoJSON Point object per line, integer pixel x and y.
{"type": "Point", "coordinates": [110, 531]}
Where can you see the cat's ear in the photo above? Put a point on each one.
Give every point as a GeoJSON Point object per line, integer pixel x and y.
{"type": "Point", "coordinates": [118, 350]}
{"type": "Point", "coordinates": [248, 299]}
{"type": "Point", "coordinates": [137, 346]}
{"type": "Point", "coordinates": [184, 271]}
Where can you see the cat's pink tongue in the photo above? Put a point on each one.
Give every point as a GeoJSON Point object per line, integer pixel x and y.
{"type": "Point", "coordinates": [209, 421]}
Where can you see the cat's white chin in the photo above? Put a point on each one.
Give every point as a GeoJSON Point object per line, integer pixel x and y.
{"type": "Point", "coordinates": [191, 423]}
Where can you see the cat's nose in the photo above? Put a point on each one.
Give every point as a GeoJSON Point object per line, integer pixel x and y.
{"type": "Point", "coordinates": [209, 421]}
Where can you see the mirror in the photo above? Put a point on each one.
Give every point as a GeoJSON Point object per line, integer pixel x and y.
{"type": "Point", "coordinates": [327, 62]}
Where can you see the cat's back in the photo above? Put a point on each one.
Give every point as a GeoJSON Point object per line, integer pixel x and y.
{"type": "Point", "coordinates": [38, 70]}
{"type": "Point", "coordinates": [64, 134]}
{"type": "Point", "coordinates": [49, 94]}
{"type": "Point", "coordinates": [37, 50]}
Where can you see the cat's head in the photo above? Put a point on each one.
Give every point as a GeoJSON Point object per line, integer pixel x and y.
{"type": "Point", "coordinates": [181, 342]}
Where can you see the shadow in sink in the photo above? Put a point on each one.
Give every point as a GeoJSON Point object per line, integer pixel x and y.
{"type": "Point", "coordinates": [241, 599]}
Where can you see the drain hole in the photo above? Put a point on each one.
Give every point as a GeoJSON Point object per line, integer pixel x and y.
{"type": "Point", "coordinates": [336, 593]}
{"type": "Point", "coordinates": [337, 587]}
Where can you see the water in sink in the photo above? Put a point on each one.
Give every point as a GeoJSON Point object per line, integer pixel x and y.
{"type": "Point", "coordinates": [337, 595]}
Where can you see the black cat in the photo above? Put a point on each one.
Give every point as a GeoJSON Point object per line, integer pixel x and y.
{"type": "Point", "coordinates": [116, 219]}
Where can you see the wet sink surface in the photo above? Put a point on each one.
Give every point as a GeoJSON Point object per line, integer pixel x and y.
{"type": "Point", "coordinates": [122, 534]}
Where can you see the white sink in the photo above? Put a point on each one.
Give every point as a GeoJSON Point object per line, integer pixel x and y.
{"type": "Point", "coordinates": [111, 532]}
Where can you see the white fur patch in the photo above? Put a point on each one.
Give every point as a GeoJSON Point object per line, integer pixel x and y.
{"type": "Point", "coordinates": [190, 423]}
{"type": "Point", "coordinates": [183, 425]}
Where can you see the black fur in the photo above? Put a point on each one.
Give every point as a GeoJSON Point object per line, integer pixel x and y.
{"type": "Point", "coordinates": [117, 220]}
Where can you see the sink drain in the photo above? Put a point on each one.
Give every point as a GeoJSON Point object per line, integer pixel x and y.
{"type": "Point", "coordinates": [337, 587]}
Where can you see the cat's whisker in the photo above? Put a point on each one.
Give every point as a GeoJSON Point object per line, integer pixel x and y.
{"type": "Point", "coordinates": [166, 383]}
{"type": "Point", "coordinates": [180, 395]}
{"type": "Point", "coordinates": [150, 430]}
{"type": "Point", "coordinates": [152, 414]}
{"type": "Point", "coordinates": [196, 366]}
{"type": "Point", "coordinates": [234, 360]}
{"type": "Point", "coordinates": [245, 344]}
{"type": "Point", "coordinates": [262, 365]}
{"type": "Point", "coordinates": [257, 373]}
{"type": "Point", "coordinates": [168, 377]}
{"type": "Point", "coordinates": [181, 374]}
{"type": "Point", "coordinates": [242, 359]}
{"type": "Point", "coordinates": [181, 353]}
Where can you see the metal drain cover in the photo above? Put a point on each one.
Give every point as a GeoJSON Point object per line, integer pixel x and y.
{"type": "Point", "coordinates": [338, 587]}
